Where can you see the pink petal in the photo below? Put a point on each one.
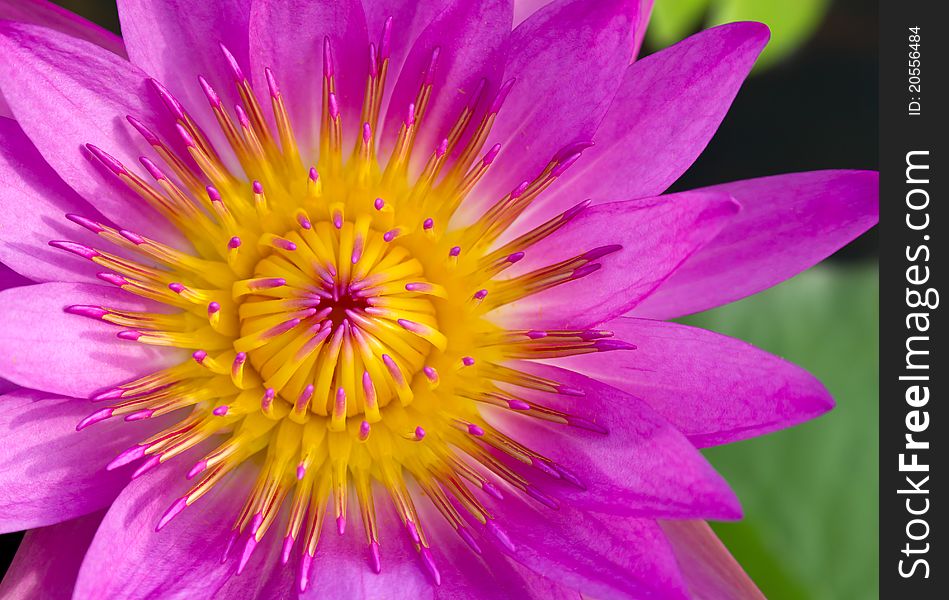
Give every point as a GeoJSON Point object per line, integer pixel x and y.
{"type": "Point", "coordinates": [129, 559]}
{"type": "Point", "coordinates": [177, 40]}
{"type": "Point", "coordinates": [47, 14]}
{"type": "Point", "coordinates": [288, 37]}
{"type": "Point", "coordinates": [48, 349]}
{"type": "Point", "coordinates": [409, 20]}
{"type": "Point", "coordinates": [6, 387]}
{"type": "Point", "coordinates": [35, 201]}
{"type": "Point", "coordinates": [642, 24]}
{"type": "Point", "coordinates": [662, 474]}
{"type": "Point", "coordinates": [403, 574]}
{"type": "Point", "coordinates": [599, 555]}
{"type": "Point", "coordinates": [568, 60]}
{"type": "Point", "coordinates": [656, 236]}
{"type": "Point", "coordinates": [788, 223]}
{"type": "Point", "coordinates": [67, 92]}
{"type": "Point", "coordinates": [49, 472]}
{"type": "Point", "coordinates": [10, 278]}
{"type": "Point", "coordinates": [487, 576]}
{"type": "Point", "coordinates": [709, 569]}
{"type": "Point", "coordinates": [470, 38]}
{"type": "Point", "coordinates": [525, 8]}
{"type": "Point", "coordinates": [664, 114]}
{"type": "Point", "coordinates": [48, 559]}
{"type": "Point", "coordinates": [714, 389]}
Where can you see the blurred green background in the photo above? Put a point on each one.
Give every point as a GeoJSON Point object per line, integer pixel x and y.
{"type": "Point", "coordinates": [792, 22]}
{"type": "Point", "coordinates": [809, 493]}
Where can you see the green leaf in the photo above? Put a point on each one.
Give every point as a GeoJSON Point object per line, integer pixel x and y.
{"type": "Point", "coordinates": [809, 493]}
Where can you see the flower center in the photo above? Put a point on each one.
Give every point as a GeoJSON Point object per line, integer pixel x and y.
{"type": "Point", "coordinates": [339, 329]}
{"type": "Point", "coordinates": [335, 322]}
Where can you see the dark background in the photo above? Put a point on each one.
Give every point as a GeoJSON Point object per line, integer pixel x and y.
{"type": "Point", "coordinates": [816, 110]}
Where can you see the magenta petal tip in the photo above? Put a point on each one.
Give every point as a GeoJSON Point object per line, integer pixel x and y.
{"type": "Point", "coordinates": [152, 168]}
{"type": "Point", "coordinates": [288, 542]}
{"type": "Point", "coordinates": [144, 131]}
{"type": "Point", "coordinates": [385, 40]}
{"type": "Point", "coordinates": [561, 168]}
{"type": "Point", "coordinates": [542, 497]}
{"type": "Point", "coordinates": [272, 86]}
{"type": "Point", "coordinates": [491, 155]}
{"type": "Point", "coordinates": [587, 424]}
{"type": "Point", "coordinates": [567, 390]}
{"type": "Point", "coordinates": [500, 535]}
{"type": "Point", "coordinates": [576, 210]}
{"type": "Point", "coordinates": [147, 466]}
{"type": "Point", "coordinates": [107, 159]}
{"type": "Point", "coordinates": [610, 344]}
{"type": "Point", "coordinates": [84, 222]}
{"type": "Point", "coordinates": [96, 417]}
{"type": "Point", "coordinates": [171, 103]}
{"type": "Point", "coordinates": [303, 573]}
{"type": "Point", "coordinates": [602, 251]}
{"type": "Point", "coordinates": [492, 490]}
{"type": "Point", "coordinates": [132, 237]}
{"type": "Point", "coordinates": [469, 539]}
{"type": "Point", "coordinates": [567, 475]}
{"type": "Point", "coordinates": [116, 280]}
{"type": "Point", "coordinates": [213, 99]}
{"type": "Point", "coordinates": [132, 454]}
{"type": "Point", "coordinates": [140, 415]}
{"type": "Point", "coordinates": [77, 249]}
{"type": "Point", "coordinates": [92, 312]}
{"type": "Point", "coordinates": [232, 62]}
{"type": "Point", "coordinates": [110, 394]}
{"type": "Point", "coordinates": [374, 557]}
{"type": "Point", "coordinates": [585, 270]}
{"type": "Point", "coordinates": [249, 548]}
{"type": "Point", "coordinates": [179, 505]}
{"type": "Point", "coordinates": [503, 91]}
{"type": "Point", "coordinates": [429, 561]}
{"type": "Point", "coordinates": [197, 469]}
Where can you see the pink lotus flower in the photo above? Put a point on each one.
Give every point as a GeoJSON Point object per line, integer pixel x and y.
{"type": "Point", "coordinates": [442, 339]}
